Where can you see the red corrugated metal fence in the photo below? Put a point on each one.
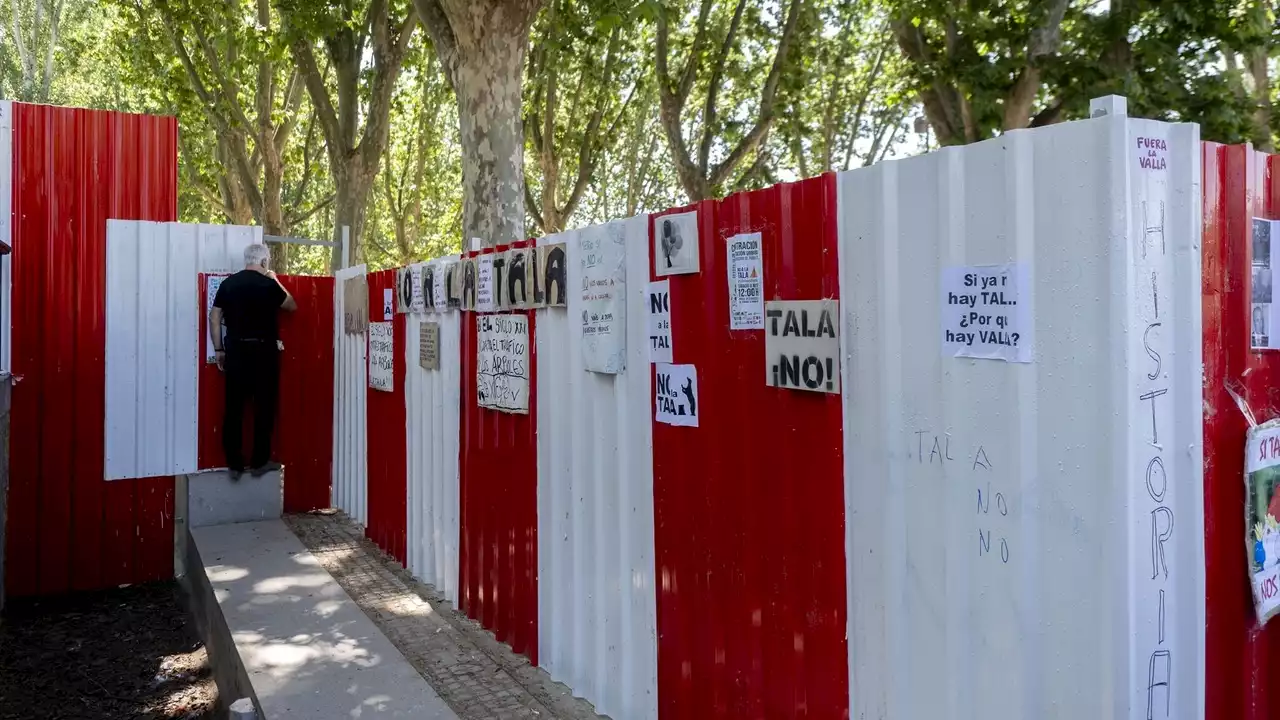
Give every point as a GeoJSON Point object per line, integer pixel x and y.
{"type": "Point", "coordinates": [385, 425]}
{"type": "Point", "coordinates": [749, 506]}
{"type": "Point", "coordinates": [68, 529]}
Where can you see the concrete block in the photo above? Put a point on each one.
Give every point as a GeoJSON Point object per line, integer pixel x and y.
{"type": "Point", "coordinates": [214, 499]}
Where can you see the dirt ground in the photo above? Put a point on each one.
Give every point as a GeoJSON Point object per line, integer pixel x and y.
{"type": "Point", "coordinates": [125, 653]}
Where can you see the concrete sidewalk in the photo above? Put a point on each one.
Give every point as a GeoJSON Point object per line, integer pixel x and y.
{"type": "Point", "coordinates": [308, 649]}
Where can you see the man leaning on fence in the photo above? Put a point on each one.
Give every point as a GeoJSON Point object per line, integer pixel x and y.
{"type": "Point", "coordinates": [248, 303]}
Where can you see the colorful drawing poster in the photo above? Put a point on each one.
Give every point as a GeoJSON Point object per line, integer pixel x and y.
{"type": "Point", "coordinates": [1262, 517]}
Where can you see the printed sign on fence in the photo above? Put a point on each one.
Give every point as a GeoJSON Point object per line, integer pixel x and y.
{"type": "Point", "coordinates": [675, 244]}
{"type": "Point", "coordinates": [417, 291]}
{"type": "Point", "coordinates": [355, 305]}
{"type": "Point", "coordinates": [404, 289]}
{"type": "Point", "coordinates": [603, 262]}
{"type": "Point", "coordinates": [468, 283]}
{"type": "Point", "coordinates": [551, 272]}
{"type": "Point", "coordinates": [452, 285]}
{"type": "Point", "coordinates": [676, 397]}
{"type": "Point", "coordinates": [212, 283]}
{"type": "Point", "coordinates": [430, 272]}
{"type": "Point", "coordinates": [429, 345]}
{"type": "Point", "coordinates": [485, 301]}
{"type": "Point", "coordinates": [802, 345]}
{"type": "Point", "coordinates": [388, 304]}
{"type": "Point", "coordinates": [502, 371]}
{"type": "Point", "coordinates": [746, 282]}
{"type": "Point", "coordinates": [1262, 516]}
{"type": "Point", "coordinates": [986, 312]}
{"type": "Point", "coordinates": [382, 354]}
{"type": "Point", "coordinates": [659, 304]}
{"type": "Point", "coordinates": [520, 278]}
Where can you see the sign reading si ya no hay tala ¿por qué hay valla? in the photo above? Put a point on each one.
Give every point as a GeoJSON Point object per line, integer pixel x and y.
{"type": "Point", "coordinates": [987, 312]}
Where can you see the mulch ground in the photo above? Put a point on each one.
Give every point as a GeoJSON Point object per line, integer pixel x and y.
{"type": "Point", "coordinates": [126, 653]}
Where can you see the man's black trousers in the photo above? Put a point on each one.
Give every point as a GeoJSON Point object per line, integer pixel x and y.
{"type": "Point", "coordinates": [253, 375]}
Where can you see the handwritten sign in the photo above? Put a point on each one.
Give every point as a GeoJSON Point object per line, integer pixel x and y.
{"type": "Point", "coordinates": [802, 345]}
{"type": "Point", "coordinates": [429, 345]}
{"type": "Point", "coordinates": [485, 301]}
{"type": "Point", "coordinates": [212, 283]}
{"type": "Point", "coordinates": [746, 282]}
{"type": "Point", "coordinates": [602, 260]}
{"type": "Point", "coordinates": [1152, 152]}
{"type": "Point", "coordinates": [986, 312]}
{"type": "Point", "coordinates": [659, 304]}
{"type": "Point", "coordinates": [502, 372]}
{"type": "Point", "coordinates": [418, 288]}
{"type": "Point", "coordinates": [676, 397]}
{"type": "Point", "coordinates": [381, 356]}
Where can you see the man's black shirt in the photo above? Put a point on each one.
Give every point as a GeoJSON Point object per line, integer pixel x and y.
{"type": "Point", "coordinates": [250, 303]}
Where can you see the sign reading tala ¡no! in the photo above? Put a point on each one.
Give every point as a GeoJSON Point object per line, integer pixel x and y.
{"type": "Point", "coordinates": [602, 261]}
{"type": "Point", "coordinates": [502, 369]}
{"type": "Point", "coordinates": [676, 397]}
{"type": "Point", "coordinates": [802, 345]}
{"type": "Point", "coordinates": [659, 304]}
{"type": "Point", "coordinates": [746, 282]}
{"type": "Point", "coordinates": [429, 345]}
{"type": "Point", "coordinates": [986, 313]}
{"type": "Point", "coordinates": [382, 353]}
{"type": "Point", "coordinates": [212, 283]}
{"type": "Point", "coordinates": [675, 244]}
{"type": "Point", "coordinates": [1262, 516]}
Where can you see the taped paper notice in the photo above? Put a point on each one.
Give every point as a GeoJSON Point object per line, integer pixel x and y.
{"type": "Point", "coordinates": [417, 293]}
{"type": "Point", "coordinates": [675, 244]}
{"type": "Point", "coordinates": [485, 301]}
{"type": "Point", "coordinates": [986, 312]}
{"type": "Point", "coordinates": [602, 258]}
{"type": "Point", "coordinates": [746, 282]}
{"type": "Point", "coordinates": [659, 318]}
{"type": "Point", "coordinates": [381, 356]}
{"type": "Point", "coordinates": [502, 372]}
{"type": "Point", "coordinates": [429, 345]}
{"type": "Point", "coordinates": [676, 397]}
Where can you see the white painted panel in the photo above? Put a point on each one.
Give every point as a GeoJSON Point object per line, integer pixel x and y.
{"type": "Point", "coordinates": [6, 234]}
{"type": "Point", "coordinates": [350, 462]}
{"type": "Point", "coordinates": [597, 609]}
{"type": "Point", "coordinates": [432, 412]}
{"type": "Point", "coordinates": [954, 464]}
{"type": "Point", "coordinates": [152, 329]}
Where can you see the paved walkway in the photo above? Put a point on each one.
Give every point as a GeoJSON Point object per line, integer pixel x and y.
{"type": "Point", "coordinates": [478, 677]}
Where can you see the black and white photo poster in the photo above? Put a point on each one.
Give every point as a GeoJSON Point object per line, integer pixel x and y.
{"type": "Point", "coordinates": [658, 298]}
{"type": "Point", "coordinates": [602, 261]}
{"type": "Point", "coordinates": [986, 312]}
{"type": "Point", "coordinates": [1263, 281]}
{"type": "Point", "coordinates": [746, 282]}
{"type": "Point", "coordinates": [676, 397]}
{"type": "Point", "coordinates": [802, 345]}
{"type": "Point", "coordinates": [675, 244]}
{"type": "Point", "coordinates": [502, 369]}
{"type": "Point", "coordinates": [382, 356]}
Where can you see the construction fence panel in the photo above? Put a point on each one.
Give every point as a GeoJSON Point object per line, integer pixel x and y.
{"type": "Point", "coordinates": [1010, 525]}
{"type": "Point", "coordinates": [350, 365]}
{"type": "Point", "coordinates": [432, 413]}
{"type": "Point", "coordinates": [385, 422]}
{"type": "Point", "coordinates": [597, 617]}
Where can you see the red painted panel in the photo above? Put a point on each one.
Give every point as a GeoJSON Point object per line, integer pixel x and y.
{"type": "Point", "coordinates": [1241, 661]}
{"type": "Point", "coordinates": [303, 436]}
{"type": "Point", "coordinates": [749, 516]}
{"type": "Point", "coordinates": [498, 467]}
{"type": "Point", "coordinates": [385, 427]}
{"type": "Point", "coordinates": [72, 170]}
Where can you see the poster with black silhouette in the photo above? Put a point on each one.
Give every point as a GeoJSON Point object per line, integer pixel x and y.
{"type": "Point", "coordinates": [404, 290]}
{"type": "Point", "coordinates": [602, 265]}
{"type": "Point", "coordinates": [501, 303]}
{"type": "Point", "coordinates": [468, 283]}
{"type": "Point", "coordinates": [429, 297]}
{"type": "Point", "coordinates": [486, 300]}
{"type": "Point", "coordinates": [1263, 282]}
{"type": "Point", "coordinates": [381, 356]}
{"type": "Point", "coordinates": [552, 276]}
{"type": "Point", "coordinates": [502, 362]}
{"type": "Point", "coordinates": [355, 305]}
{"type": "Point", "coordinates": [212, 283]}
{"type": "Point", "coordinates": [1262, 517]}
{"type": "Point", "coordinates": [676, 395]}
{"type": "Point", "coordinates": [518, 278]}
{"type": "Point", "coordinates": [802, 345]}
{"type": "Point", "coordinates": [658, 301]}
{"type": "Point", "coordinates": [675, 244]}
{"type": "Point", "coordinates": [987, 312]}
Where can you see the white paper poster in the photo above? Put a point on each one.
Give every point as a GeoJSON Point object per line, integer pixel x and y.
{"type": "Point", "coordinates": [746, 282]}
{"type": "Point", "coordinates": [676, 397]}
{"type": "Point", "coordinates": [502, 372]}
{"type": "Point", "coordinates": [1262, 524]}
{"type": "Point", "coordinates": [381, 356]}
{"type": "Point", "coordinates": [418, 296]}
{"type": "Point", "coordinates": [485, 301]}
{"type": "Point", "coordinates": [675, 244]}
{"type": "Point", "coordinates": [388, 304]}
{"type": "Point", "coordinates": [439, 293]}
{"type": "Point", "coordinates": [987, 311]}
{"type": "Point", "coordinates": [659, 304]}
{"type": "Point", "coordinates": [404, 289]}
{"type": "Point", "coordinates": [212, 283]}
{"type": "Point", "coordinates": [1263, 282]}
{"type": "Point", "coordinates": [602, 258]}
{"type": "Point", "coordinates": [802, 345]}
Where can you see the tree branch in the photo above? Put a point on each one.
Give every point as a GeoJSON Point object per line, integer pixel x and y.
{"type": "Point", "coordinates": [442, 37]}
{"type": "Point", "coordinates": [713, 87]}
{"type": "Point", "coordinates": [321, 104]}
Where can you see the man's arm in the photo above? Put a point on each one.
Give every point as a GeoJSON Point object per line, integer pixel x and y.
{"type": "Point", "coordinates": [288, 304]}
{"type": "Point", "coordinates": [215, 332]}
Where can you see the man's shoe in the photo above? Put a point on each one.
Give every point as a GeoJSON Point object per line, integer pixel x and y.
{"type": "Point", "coordinates": [234, 474]}
{"type": "Point", "coordinates": [266, 468]}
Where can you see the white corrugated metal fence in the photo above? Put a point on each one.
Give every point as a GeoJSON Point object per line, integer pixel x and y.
{"type": "Point", "coordinates": [350, 447]}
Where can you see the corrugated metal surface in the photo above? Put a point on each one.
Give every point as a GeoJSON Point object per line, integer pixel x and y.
{"type": "Point", "coordinates": [350, 467]}
{"type": "Point", "coordinates": [72, 170]}
{"type": "Point", "coordinates": [597, 612]}
{"type": "Point", "coordinates": [1046, 461]}
{"type": "Point", "coordinates": [303, 439]}
{"type": "Point", "coordinates": [153, 320]}
{"type": "Point", "coordinates": [1242, 660]}
{"type": "Point", "coordinates": [385, 428]}
{"type": "Point", "coordinates": [6, 233]}
{"type": "Point", "coordinates": [748, 507]}
{"type": "Point", "coordinates": [432, 412]}
{"type": "Point", "coordinates": [498, 574]}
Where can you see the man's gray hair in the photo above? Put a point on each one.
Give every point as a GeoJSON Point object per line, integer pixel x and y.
{"type": "Point", "coordinates": [256, 254]}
